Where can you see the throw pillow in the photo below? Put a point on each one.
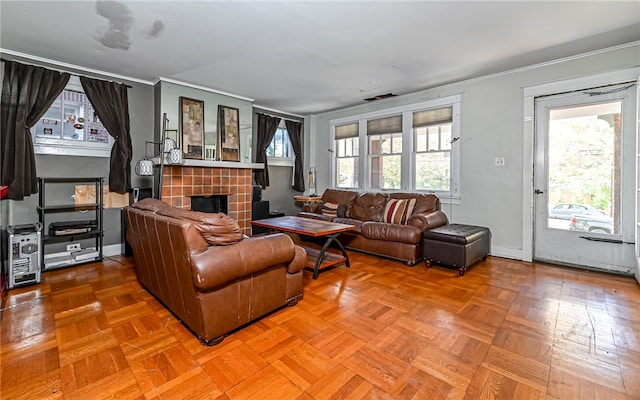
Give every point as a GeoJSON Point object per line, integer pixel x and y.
{"type": "Point", "coordinates": [398, 211]}
{"type": "Point", "coordinates": [330, 209]}
{"type": "Point", "coordinates": [342, 211]}
{"type": "Point", "coordinates": [150, 204]}
{"type": "Point", "coordinates": [217, 229]}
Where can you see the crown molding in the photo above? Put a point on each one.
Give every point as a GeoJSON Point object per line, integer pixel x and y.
{"type": "Point", "coordinates": [66, 67]}
{"type": "Point", "coordinates": [206, 89]}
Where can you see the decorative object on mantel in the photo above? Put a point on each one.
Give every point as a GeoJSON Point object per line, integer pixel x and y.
{"type": "Point", "coordinates": [229, 128]}
{"type": "Point", "coordinates": [192, 126]}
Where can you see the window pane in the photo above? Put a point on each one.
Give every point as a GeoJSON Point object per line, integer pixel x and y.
{"type": "Point", "coordinates": [433, 171]}
{"type": "Point", "coordinates": [50, 125]}
{"type": "Point", "coordinates": [348, 151]}
{"type": "Point", "coordinates": [385, 144]}
{"type": "Point", "coordinates": [396, 146]}
{"type": "Point", "coordinates": [340, 148]}
{"type": "Point", "coordinates": [279, 146]}
{"type": "Point", "coordinates": [421, 139]}
{"type": "Point", "coordinates": [374, 145]}
{"type": "Point", "coordinates": [434, 138]}
{"type": "Point", "coordinates": [445, 137]}
{"type": "Point", "coordinates": [347, 172]}
{"type": "Point", "coordinates": [385, 172]}
{"type": "Point", "coordinates": [583, 168]}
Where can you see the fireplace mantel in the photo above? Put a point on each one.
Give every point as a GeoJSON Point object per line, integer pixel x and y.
{"type": "Point", "coordinates": [214, 164]}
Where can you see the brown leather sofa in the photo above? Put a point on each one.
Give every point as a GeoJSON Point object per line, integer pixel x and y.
{"type": "Point", "coordinates": [400, 238]}
{"type": "Point", "coordinates": [206, 272]}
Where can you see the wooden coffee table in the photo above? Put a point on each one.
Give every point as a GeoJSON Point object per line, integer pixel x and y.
{"type": "Point", "coordinates": [315, 228]}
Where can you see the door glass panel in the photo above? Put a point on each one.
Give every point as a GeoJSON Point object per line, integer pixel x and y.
{"type": "Point", "coordinates": [584, 166]}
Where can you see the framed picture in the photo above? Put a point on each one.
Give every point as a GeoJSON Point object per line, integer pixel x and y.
{"type": "Point", "coordinates": [229, 128]}
{"type": "Point", "coordinates": [192, 127]}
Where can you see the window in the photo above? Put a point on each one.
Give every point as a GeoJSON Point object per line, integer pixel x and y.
{"type": "Point", "coordinates": [280, 151]}
{"type": "Point", "coordinates": [432, 149]}
{"type": "Point", "coordinates": [410, 148]}
{"type": "Point", "coordinates": [347, 149]}
{"type": "Point", "coordinates": [71, 126]}
{"type": "Point", "coordinates": [385, 152]}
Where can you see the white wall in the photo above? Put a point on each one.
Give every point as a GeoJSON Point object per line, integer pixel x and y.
{"type": "Point", "coordinates": [491, 125]}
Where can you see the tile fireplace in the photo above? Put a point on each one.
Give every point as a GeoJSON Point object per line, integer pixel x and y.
{"type": "Point", "coordinates": [181, 183]}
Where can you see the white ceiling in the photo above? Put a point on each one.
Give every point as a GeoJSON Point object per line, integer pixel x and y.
{"type": "Point", "coordinates": [306, 57]}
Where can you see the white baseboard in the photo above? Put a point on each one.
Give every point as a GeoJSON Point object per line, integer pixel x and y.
{"type": "Point", "coordinates": [112, 250]}
{"type": "Point", "coordinates": [506, 252]}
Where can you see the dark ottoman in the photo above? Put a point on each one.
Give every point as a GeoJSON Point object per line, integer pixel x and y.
{"type": "Point", "coordinates": [456, 245]}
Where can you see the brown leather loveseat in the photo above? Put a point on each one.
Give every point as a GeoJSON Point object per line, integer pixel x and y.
{"type": "Point", "coordinates": [386, 224]}
{"type": "Point", "coordinates": [206, 272]}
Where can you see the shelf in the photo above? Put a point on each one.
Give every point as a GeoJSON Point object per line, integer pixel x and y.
{"type": "Point", "coordinates": [66, 259]}
{"type": "Point", "coordinates": [70, 180]}
{"type": "Point", "coordinates": [71, 238]}
{"type": "Point", "coordinates": [71, 207]}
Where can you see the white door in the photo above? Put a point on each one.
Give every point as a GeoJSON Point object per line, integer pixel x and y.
{"type": "Point", "coordinates": [584, 178]}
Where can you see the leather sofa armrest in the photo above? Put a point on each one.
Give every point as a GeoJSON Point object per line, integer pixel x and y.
{"type": "Point", "coordinates": [299, 261]}
{"type": "Point", "coordinates": [391, 232]}
{"type": "Point", "coordinates": [222, 264]}
{"type": "Point", "coordinates": [428, 221]}
{"type": "Point", "coordinates": [311, 215]}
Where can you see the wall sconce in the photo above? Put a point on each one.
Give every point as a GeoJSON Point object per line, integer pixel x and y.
{"type": "Point", "coordinates": [311, 180]}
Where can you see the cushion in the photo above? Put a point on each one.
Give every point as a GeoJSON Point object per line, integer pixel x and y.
{"type": "Point", "coordinates": [150, 204]}
{"type": "Point", "coordinates": [330, 209]}
{"type": "Point", "coordinates": [368, 207]}
{"type": "Point", "coordinates": [217, 229]}
{"type": "Point", "coordinates": [398, 211]}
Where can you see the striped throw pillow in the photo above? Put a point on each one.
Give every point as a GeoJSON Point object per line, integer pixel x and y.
{"type": "Point", "coordinates": [330, 209]}
{"type": "Point", "coordinates": [398, 211]}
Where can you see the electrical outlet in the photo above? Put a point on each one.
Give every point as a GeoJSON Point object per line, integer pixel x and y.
{"type": "Point", "coordinates": [499, 162]}
{"type": "Point", "coordinates": [73, 247]}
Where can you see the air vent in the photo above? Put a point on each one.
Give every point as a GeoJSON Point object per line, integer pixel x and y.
{"type": "Point", "coordinates": [380, 97]}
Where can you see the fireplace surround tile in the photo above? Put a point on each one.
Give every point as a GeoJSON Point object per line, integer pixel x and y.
{"type": "Point", "coordinates": [179, 183]}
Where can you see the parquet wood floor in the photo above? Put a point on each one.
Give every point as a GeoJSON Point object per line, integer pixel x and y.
{"type": "Point", "coordinates": [379, 330]}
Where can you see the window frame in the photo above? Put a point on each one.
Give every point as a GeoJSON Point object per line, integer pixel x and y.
{"type": "Point", "coordinates": [407, 184]}
{"type": "Point", "coordinates": [352, 156]}
{"type": "Point", "coordinates": [288, 161]}
{"type": "Point", "coordinates": [61, 146]}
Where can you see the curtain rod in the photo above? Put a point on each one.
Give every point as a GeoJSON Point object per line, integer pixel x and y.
{"type": "Point", "coordinates": [62, 70]}
{"type": "Point", "coordinates": [281, 117]}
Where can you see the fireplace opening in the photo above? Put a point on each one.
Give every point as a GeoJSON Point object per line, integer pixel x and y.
{"type": "Point", "coordinates": [214, 203]}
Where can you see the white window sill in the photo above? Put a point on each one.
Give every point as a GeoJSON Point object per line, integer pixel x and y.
{"type": "Point", "coordinates": [280, 162]}
{"type": "Point", "coordinates": [71, 151]}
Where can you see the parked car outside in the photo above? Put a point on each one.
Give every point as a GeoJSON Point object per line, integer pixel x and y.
{"type": "Point", "coordinates": [567, 210]}
{"type": "Point", "coordinates": [591, 223]}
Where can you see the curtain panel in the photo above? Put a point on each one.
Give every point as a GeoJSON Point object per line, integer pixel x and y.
{"type": "Point", "coordinates": [267, 127]}
{"type": "Point", "coordinates": [111, 103]}
{"type": "Point", "coordinates": [27, 93]}
{"type": "Point", "coordinates": [294, 129]}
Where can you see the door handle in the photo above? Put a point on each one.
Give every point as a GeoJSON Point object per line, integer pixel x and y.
{"type": "Point", "coordinates": [538, 191]}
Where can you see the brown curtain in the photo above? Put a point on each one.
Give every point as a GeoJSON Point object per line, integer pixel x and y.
{"type": "Point", "coordinates": [111, 103]}
{"type": "Point", "coordinates": [267, 127]}
{"type": "Point", "coordinates": [295, 136]}
{"type": "Point", "coordinates": [27, 93]}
